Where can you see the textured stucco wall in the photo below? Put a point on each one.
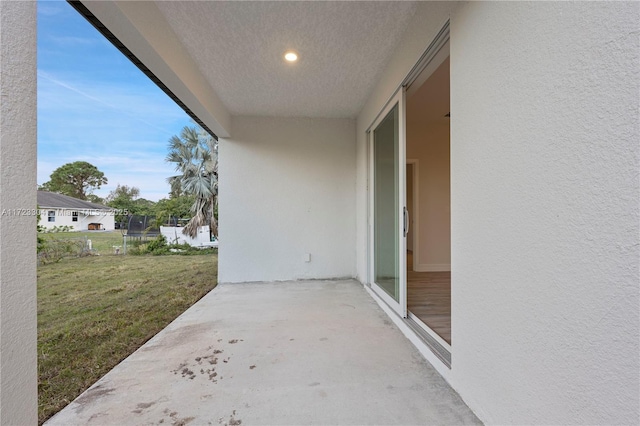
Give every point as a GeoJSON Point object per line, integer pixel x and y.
{"type": "Point", "coordinates": [18, 371]}
{"type": "Point", "coordinates": [287, 188]}
{"type": "Point", "coordinates": [544, 157]}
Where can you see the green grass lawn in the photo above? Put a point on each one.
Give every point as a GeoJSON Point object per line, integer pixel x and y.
{"type": "Point", "coordinates": [102, 241]}
{"type": "Point", "coordinates": [95, 311]}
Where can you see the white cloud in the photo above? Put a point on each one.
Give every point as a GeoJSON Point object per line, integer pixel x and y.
{"type": "Point", "coordinates": [45, 168]}
{"type": "Point", "coordinates": [71, 41]}
{"type": "Point", "coordinates": [124, 103]}
{"type": "Point", "coordinates": [48, 8]}
{"type": "Point", "coordinates": [153, 186]}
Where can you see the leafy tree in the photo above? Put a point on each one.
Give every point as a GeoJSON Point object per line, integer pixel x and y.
{"type": "Point", "coordinates": [176, 189]}
{"type": "Point", "coordinates": [123, 192]}
{"type": "Point", "coordinates": [45, 187]}
{"type": "Point", "coordinates": [77, 179]}
{"type": "Point", "coordinates": [178, 207]}
{"type": "Point", "coordinates": [144, 207]}
{"type": "Point", "coordinates": [195, 154]}
{"type": "Point", "coordinates": [95, 199]}
{"type": "Point", "coordinates": [123, 199]}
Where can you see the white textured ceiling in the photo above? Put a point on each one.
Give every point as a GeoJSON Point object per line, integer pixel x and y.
{"type": "Point", "coordinates": [239, 46]}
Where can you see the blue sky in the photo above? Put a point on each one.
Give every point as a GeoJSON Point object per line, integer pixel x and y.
{"type": "Point", "coordinates": [94, 105]}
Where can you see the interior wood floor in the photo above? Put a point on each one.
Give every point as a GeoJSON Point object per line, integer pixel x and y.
{"type": "Point", "coordinates": [429, 298]}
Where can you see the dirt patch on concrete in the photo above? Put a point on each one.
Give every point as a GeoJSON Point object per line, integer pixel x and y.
{"type": "Point", "coordinates": [174, 419]}
{"type": "Point", "coordinates": [185, 371]}
{"type": "Point", "coordinates": [232, 420]}
{"type": "Point", "coordinates": [204, 364]}
{"type": "Point", "coordinates": [92, 395]}
{"type": "Point", "coordinates": [143, 406]}
{"type": "Point", "coordinates": [188, 334]}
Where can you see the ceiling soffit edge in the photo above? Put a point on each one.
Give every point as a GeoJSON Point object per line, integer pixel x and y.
{"type": "Point", "coordinates": [140, 32]}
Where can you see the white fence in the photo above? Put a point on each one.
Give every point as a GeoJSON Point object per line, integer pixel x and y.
{"type": "Point", "coordinates": [174, 235]}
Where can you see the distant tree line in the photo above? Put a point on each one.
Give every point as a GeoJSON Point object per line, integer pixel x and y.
{"type": "Point", "coordinates": [194, 190]}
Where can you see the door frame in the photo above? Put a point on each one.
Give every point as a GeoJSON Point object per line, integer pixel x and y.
{"type": "Point", "coordinates": [430, 57]}
{"type": "Point", "coordinates": [399, 306]}
{"type": "Point", "coordinates": [414, 222]}
{"type": "Point", "coordinates": [434, 55]}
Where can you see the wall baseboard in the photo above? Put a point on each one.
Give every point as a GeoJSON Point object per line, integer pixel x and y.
{"type": "Point", "coordinates": [433, 267]}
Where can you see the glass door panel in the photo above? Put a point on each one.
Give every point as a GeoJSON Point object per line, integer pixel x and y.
{"type": "Point", "coordinates": [385, 216]}
{"type": "Point", "coordinates": [387, 231]}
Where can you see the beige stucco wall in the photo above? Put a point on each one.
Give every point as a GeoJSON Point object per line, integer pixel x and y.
{"type": "Point", "coordinates": [287, 189]}
{"type": "Point", "coordinates": [545, 219]}
{"type": "Point", "coordinates": [18, 355]}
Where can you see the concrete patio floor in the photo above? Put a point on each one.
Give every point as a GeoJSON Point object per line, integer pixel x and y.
{"type": "Point", "coordinates": [307, 352]}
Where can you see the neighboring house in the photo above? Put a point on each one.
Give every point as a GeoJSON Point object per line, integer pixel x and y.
{"type": "Point", "coordinates": [57, 210]}
{"type": "Point", "coordinates": [517, 123]}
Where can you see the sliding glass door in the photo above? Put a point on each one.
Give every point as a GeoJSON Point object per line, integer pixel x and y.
{"type": "Point", "coordinates": [388, 221]}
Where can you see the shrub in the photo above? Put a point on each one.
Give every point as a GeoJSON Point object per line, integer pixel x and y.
{"type": "Point", "coordinates": [137, 249]}
{"type": "Point", "coordinates": [158, 246]}
{"type": "Point", "coordinates": [54, 250]}
{"type": "Point", "coordinates": [65, 228]}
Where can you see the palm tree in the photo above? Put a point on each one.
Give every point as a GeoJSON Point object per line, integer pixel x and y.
{"type": "Point", "coordinates": [195, 154]}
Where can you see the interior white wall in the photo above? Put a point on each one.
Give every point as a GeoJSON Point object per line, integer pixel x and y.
{"type": "Point", "coordinates": [428, 142]}
{"type": "Point", "coordinates": [545, 220]}
{"type": "Point", "coordinates": [18, 334]}
{"type": "Point", "coordinates": [287, 188]}
{"type": "Point", "coordinates": [425, 25]}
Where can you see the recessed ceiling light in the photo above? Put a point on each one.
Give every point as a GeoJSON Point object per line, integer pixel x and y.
{"type": "Point", "coordinates": [291, 56]}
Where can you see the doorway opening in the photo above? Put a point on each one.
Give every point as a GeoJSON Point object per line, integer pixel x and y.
{"type": "Point", "coordinates": [409, 223]}
{"type": "Point", "coordinates": [428, 198]}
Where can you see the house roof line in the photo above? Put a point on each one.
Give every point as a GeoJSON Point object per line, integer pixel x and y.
{"type": "Point", "coordinates": [60, 201]}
